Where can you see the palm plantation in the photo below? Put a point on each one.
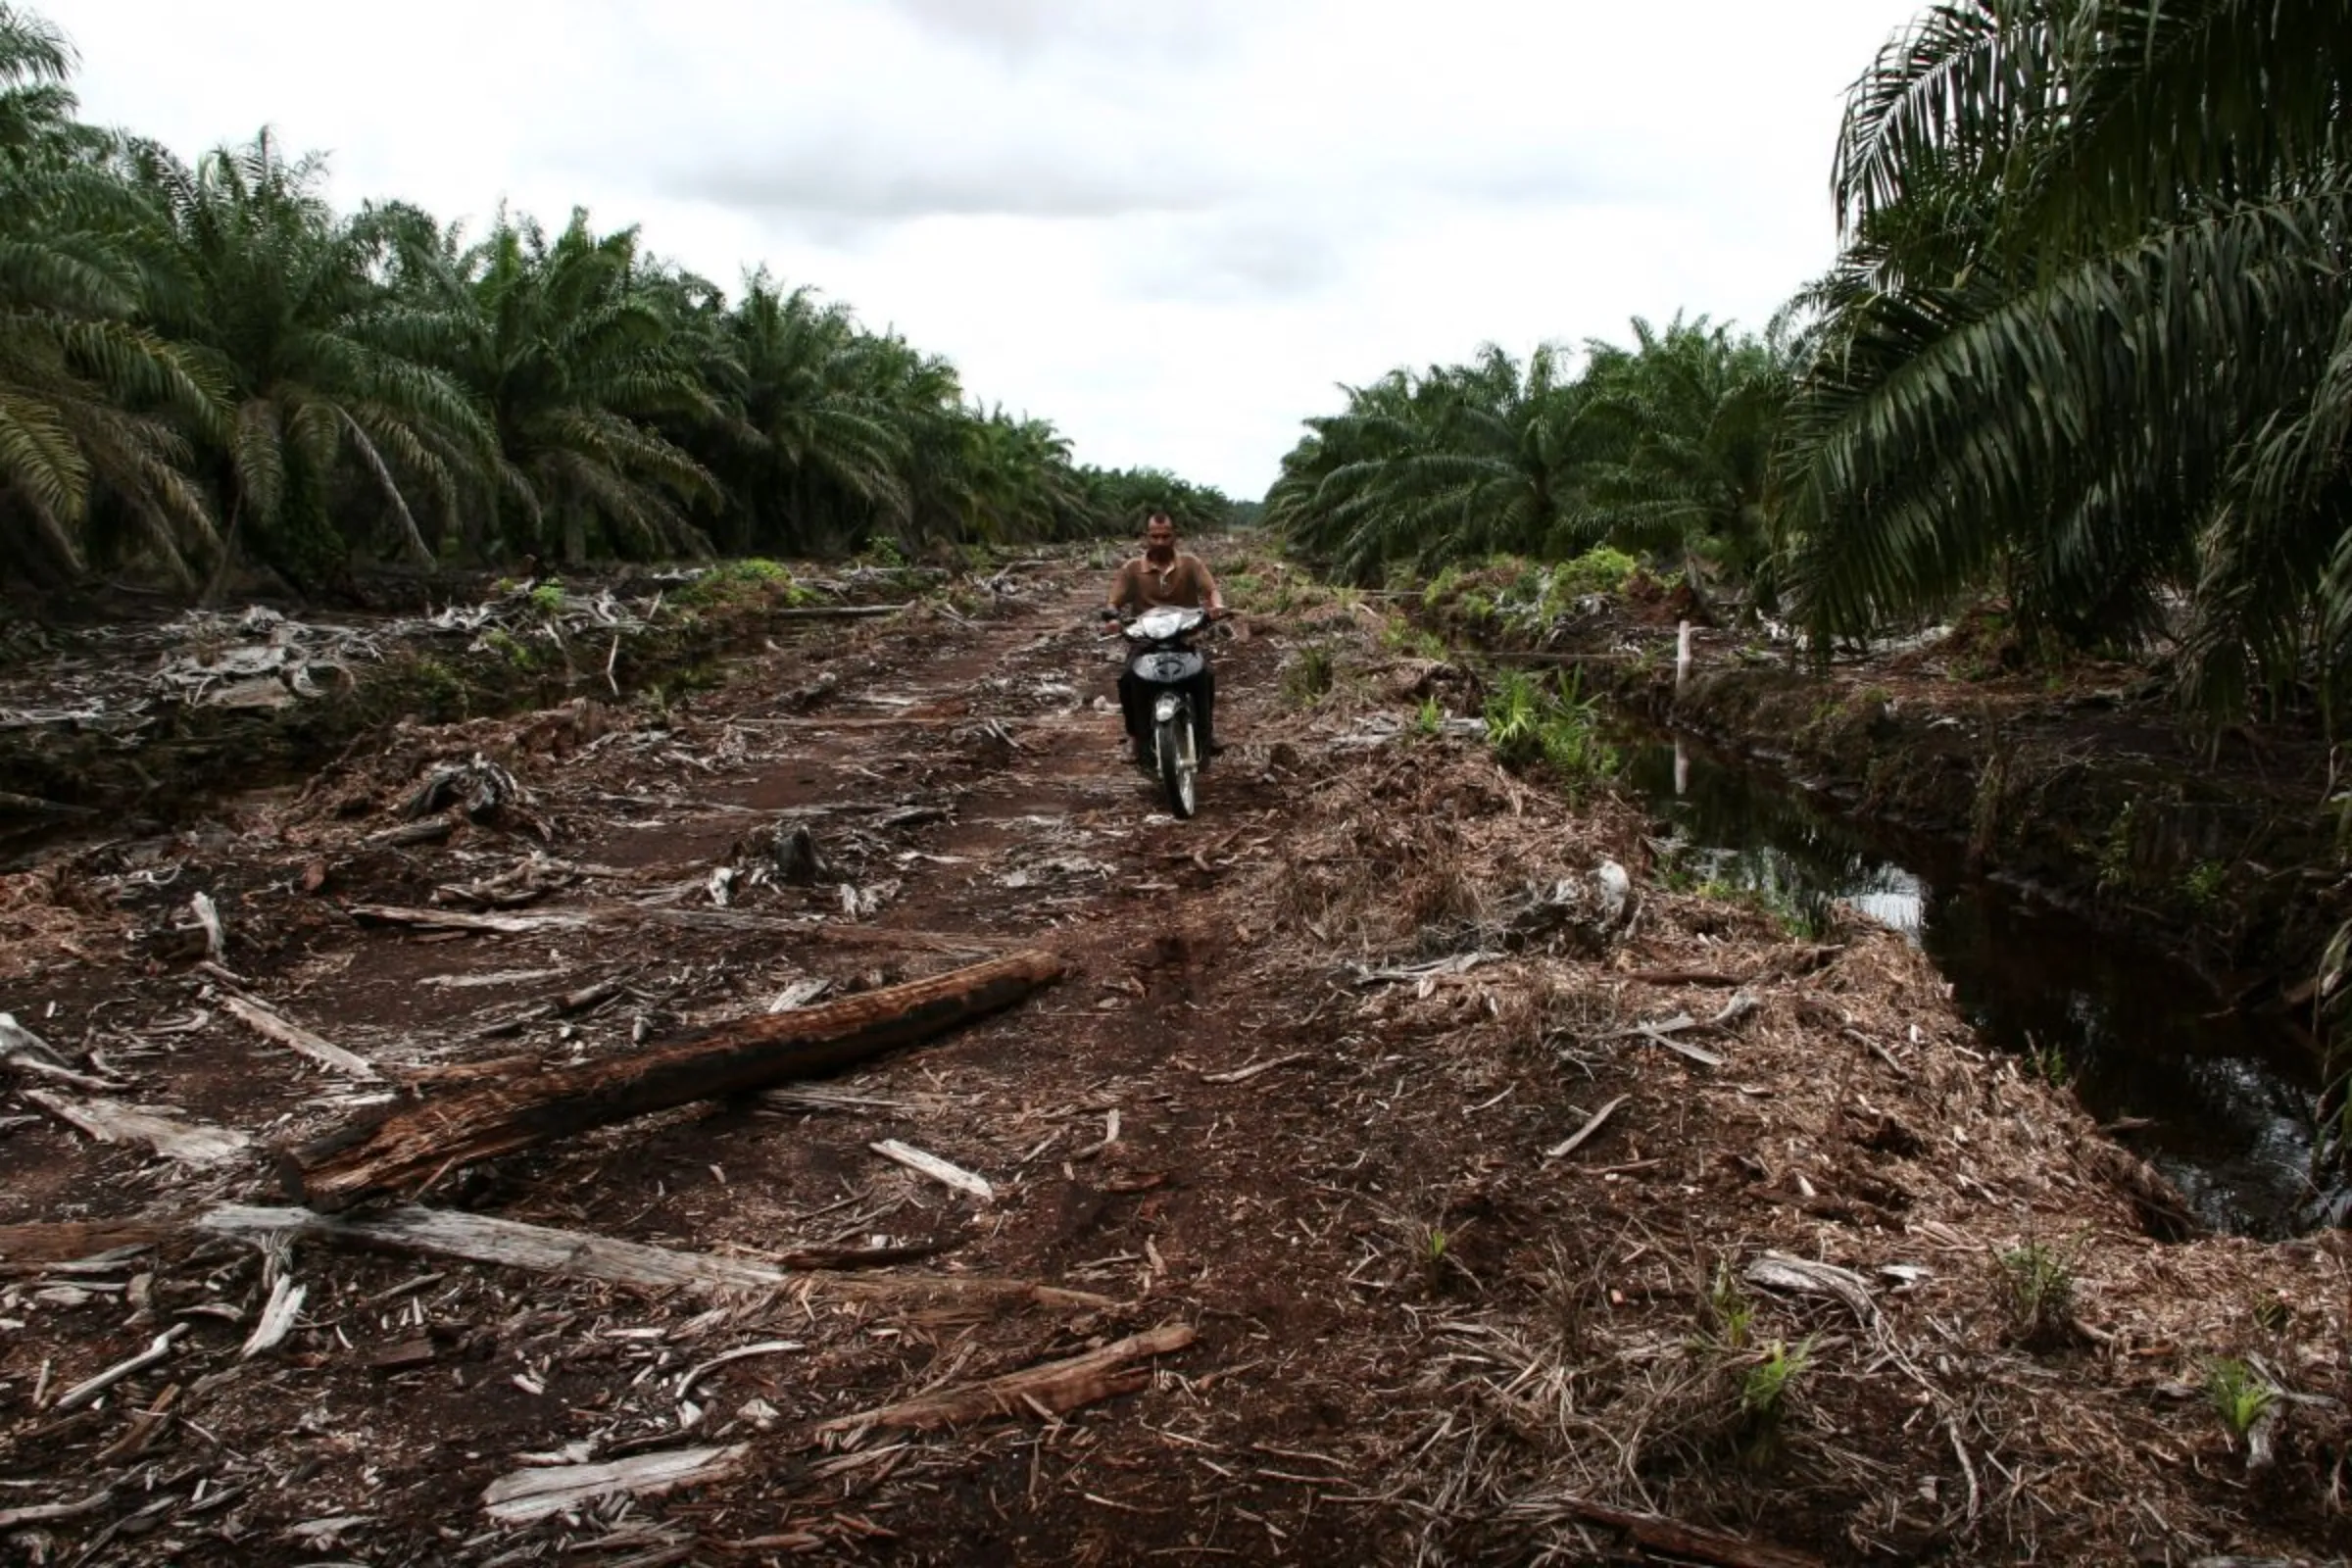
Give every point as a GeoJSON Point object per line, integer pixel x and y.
{"type": "Point", "coordinates": [1661, 448]}
{"type": "Point", "coordinates": [203, 362]}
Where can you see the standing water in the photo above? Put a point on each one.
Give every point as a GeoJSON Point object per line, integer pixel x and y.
{"type": "Point", "coordinates": [2220, 1100]}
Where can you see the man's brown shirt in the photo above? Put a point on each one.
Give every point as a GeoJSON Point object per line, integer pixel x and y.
{"type": "Point", "coordinates": [1184, 582]}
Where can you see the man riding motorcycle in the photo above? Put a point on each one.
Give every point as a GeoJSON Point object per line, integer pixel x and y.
{"type": "Point", "coordinates": [1164, 576]}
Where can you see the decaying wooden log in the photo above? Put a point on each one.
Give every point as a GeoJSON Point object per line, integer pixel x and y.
{"type": "Point", "coordinates": [1047, 1390]}
{"type": "Point", "coordinates": [480, 1238]}
{"type": "Point", "coordinates": [406, 1147]}
{"type": "Point", "coordinates": [580, 1255]}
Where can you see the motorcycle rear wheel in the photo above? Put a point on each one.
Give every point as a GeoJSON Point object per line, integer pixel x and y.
{"type": "Point", "coordinates": [1178, 755]}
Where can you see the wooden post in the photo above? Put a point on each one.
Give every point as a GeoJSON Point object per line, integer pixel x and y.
{"type": "Point", "coordinates": [404, 1148]}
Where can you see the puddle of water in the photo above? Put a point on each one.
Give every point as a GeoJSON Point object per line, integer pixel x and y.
{"type": "Point", "coordinates": [2228, 1097]}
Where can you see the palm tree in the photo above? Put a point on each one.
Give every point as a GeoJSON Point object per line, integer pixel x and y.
{"type": "Point", "coordinates": [2092, 332]}
{"type": "Point", "coordinates": [1456, 463]}
{"type": "Point", "coordinates": [821, 453]}
{"type": "Point", "coordinates": [86, 395]}
{"type": "Point", "coordinates": [274, 298]}
{"type": "Point", "coordinates": [1017, 481]}
{"type": "Point", "coordinates": [1699, 412]}
{"type": "Point", "coordinates": [573, 349]}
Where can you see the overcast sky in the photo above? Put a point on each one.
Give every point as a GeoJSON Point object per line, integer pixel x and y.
{"type": "Point", "coordinates": [1170, 228]}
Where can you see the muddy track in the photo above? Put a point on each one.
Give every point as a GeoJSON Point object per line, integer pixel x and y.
{"type": "Point", "coordinates": [1415, 1337]}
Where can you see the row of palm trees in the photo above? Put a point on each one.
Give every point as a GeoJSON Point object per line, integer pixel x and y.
{"type": "Point", "coordinates": [2087, 347]}
{"type": "Point", "coordinates": [1662, 447]}
{"type": "Point", "coordinates": [203, 362]}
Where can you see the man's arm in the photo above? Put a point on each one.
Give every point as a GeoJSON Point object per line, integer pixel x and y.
{"type": "Point", "coordinates": [1210, 599]}
{"type": "Point", "coordinates": [1122, 590]}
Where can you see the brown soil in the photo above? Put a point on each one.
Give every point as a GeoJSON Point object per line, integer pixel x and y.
{"type": "Point", "coordinates": [1419, 1339]}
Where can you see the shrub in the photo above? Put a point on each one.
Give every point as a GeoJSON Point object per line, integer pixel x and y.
{"type": "Point", "coordinates": [1308, 679]}
{"type": "Point", "coordinates": [1602, 570]}
{"type": "Point", "coordinates": [2037, 1286]}
{"type": "Point", "coordinates": [1526, 724]}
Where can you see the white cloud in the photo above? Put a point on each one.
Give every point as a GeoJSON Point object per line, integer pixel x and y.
{"type": "Point", "coordinates": [1170, 230]}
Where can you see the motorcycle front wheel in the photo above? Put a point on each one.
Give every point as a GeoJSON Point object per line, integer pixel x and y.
{"type": "Point", "coordinates": [1179, 759]}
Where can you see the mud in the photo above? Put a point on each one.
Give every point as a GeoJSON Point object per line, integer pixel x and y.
{"type": "Point", "coordinates": [1340, 1020]}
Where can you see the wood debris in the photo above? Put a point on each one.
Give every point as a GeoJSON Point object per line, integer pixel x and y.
{"type": "Point", "coordinates": [541, 1492]}
{"type": "Point", "coordinates": [410, 1144]}
{"type": "Point", "coordinates": [1053, 1389]}
{"type": "Point", "coordinates": [938, 1169]}
{"type": "Point", "coordinates": [110, 1121]}
{"type": "Point", "coordinates": [276, 1027]}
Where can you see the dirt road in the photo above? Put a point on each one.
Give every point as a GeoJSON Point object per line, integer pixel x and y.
{"type": "Point", "coordinates": [1296, 1097]}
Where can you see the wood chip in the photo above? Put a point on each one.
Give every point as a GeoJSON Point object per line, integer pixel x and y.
{"type": "Point", "coordinates": [277, 1318]}
{"type": "Point", "coordinates": [208, 915]}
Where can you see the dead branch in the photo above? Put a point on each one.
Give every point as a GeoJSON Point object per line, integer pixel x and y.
{"type": "Point", "coordinates": [1053, 1387]}
{"type": "Point", "coordinates": [1669, 1535]}
{"type": "Point", "coordinates": [539, 1492]}
{"type": "Point", "coordinates": [938, 1169]}
{"type": "Point", "coordinates": [276, 1027]}
{"type": "Point", "coordinates": [1592, 1124]}
{"type": "Point", "coordinates": [81, 1393]}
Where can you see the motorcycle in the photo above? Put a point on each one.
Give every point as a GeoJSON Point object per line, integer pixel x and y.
{"type": "Point", "coordinates": [1161, 656]}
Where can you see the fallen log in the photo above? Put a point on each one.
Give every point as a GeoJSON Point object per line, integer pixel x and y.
{"type": "Point", "coordinates": [509, 1244]}
{"type": "Point", "coordinates": [580, 1255]}
{"type": "Point", "coordinates": [408, 1146]}
{"type": "Point", "coordinates": [1048, 1390]}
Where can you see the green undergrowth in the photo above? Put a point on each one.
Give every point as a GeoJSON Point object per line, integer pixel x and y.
{"type": "Point", "coordinates": [1534, 722]}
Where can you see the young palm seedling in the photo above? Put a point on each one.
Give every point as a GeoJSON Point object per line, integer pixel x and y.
{"type": "Point", "coordinates": [2240, 1395]}
{"type": "Point", "coordinates": [1764, 1400]}
{"type": "Point", "coordinates": [2037, 1285]}
{"type": "Point", "coordinates": [1730, 1314]}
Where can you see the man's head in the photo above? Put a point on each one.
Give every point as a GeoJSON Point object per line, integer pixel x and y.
{"type": "Point", "coordinates": [1159, 536]}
